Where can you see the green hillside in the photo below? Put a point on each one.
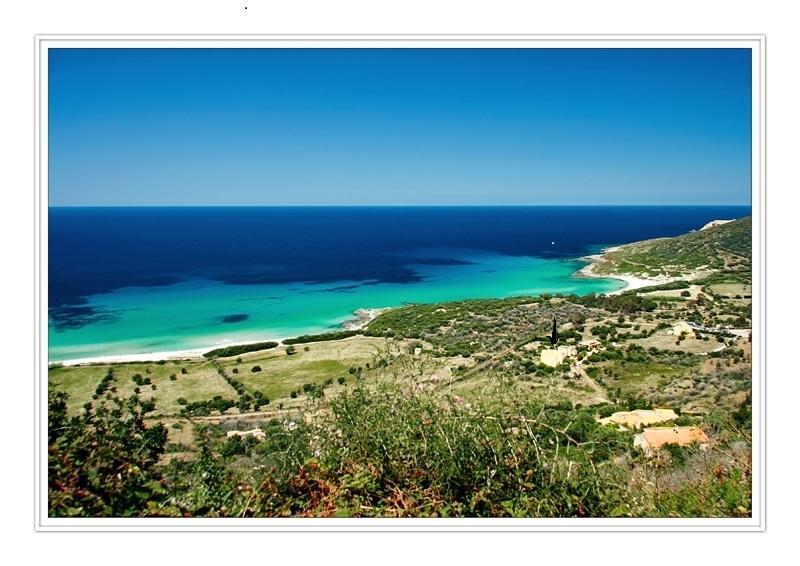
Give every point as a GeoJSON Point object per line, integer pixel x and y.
{"type": "Point", "coordinates": [725, 247]}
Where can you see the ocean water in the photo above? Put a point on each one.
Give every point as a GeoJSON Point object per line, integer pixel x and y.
{"type": "Point", "coordinates": [139, 280]}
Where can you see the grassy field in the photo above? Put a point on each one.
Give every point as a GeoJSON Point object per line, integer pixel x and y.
{"type": "Point", "coordinates": [689, 344]}
{"type": "Point", "coordinates": [280, 375]}
{"type": "Point", "coordinates": [312, 363]}
{"type": "Point", "coordinates": [201, 381]}
{"type": "Point", "coordinates": [692, 290]}
{"type": "Point", "coordinates": [731, 289]}
{"type": "Point", "coordinates": [78, 382]}
{"type": "Point", "coordinates": [637, 379]}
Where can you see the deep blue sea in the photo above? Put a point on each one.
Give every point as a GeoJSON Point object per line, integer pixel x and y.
{"type": "Point", "coordinates": [135, 280]}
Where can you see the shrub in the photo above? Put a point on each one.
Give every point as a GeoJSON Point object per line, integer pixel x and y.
{"type": "Point", "coordinates": [338, 335]}
{"type": "Point", "coordinates": [255, 369]}
{"type": "Point", "coordinates": [103, 462]}
{"type": "Point", "coordinates": [240, 349]}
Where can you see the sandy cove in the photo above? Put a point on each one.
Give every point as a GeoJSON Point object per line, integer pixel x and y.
{"type": "Point", "coordinates": [631, 281]}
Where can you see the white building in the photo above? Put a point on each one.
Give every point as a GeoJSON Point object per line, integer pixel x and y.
{"type": "Point", "coordinates": [554, 357]}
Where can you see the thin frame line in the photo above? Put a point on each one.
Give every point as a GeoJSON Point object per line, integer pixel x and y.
{"type": "Point", "coordinates": [759, 39]}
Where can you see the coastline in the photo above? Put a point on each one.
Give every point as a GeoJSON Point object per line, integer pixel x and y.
{"type": "Point", "coordinates": [130, 358]}
{"type": "Point", "coordinates": [632, 282]}
{"type": "Point", "coordinates": [192, 354]}
{"type": "Point", "coordinates": [362, 318]}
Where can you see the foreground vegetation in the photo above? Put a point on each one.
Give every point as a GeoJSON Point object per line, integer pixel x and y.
{"type": "Point", "coordinates": [392, 449]}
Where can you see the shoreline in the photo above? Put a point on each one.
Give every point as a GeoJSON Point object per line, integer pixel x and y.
{"type": "Point", "coordinates": [632, 282]}
{"type": "Point", "coordinates": [362, 318]}
{"type": "Point", "coordinates": [171, 355]}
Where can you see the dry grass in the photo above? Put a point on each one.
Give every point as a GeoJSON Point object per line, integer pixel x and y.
{"type": "Point", "coordinates": [199, 383]}
{"type": "Point", "coordinates": [664, 341]}
{"type": "Point", "coordinates": [731, 289]}
{"type": "Point", "coordinates": [693, 290]}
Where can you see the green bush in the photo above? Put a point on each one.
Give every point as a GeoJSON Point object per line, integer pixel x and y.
{"type": "Point", "coordinates": [240, 349]}
{"type": "Point", "coordinates": [103, 462]}
{"type": "Point", "coordinates": [338, 335]}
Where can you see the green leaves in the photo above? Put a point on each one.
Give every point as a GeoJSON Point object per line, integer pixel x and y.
{"type": "Point", "coordinates": [103, 462]}
{"type": "Point", "coordinates": [241, 349]}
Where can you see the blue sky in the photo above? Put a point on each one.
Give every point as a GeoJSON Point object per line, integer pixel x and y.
{"type": "Point", "coordinates": [399, 126]}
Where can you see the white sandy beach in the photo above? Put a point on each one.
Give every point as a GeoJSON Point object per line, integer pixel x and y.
{"type": "Point", "coordinates": [631, 281]}
{"type": "Point", "coordinates": [635, 282]}
{"type": "Point", "coordinates": [193, 353]}
{"type": "Point", "coordinates": [362, 318]}
{"type": "Point", "coordinates": [141, 357]}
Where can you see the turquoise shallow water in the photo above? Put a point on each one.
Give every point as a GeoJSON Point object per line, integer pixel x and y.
{"type": "Point", "coordinates": [199, 313]}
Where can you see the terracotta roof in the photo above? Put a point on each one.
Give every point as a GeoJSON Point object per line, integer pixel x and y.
{"type": "Point", "coordinates": [682, 435]}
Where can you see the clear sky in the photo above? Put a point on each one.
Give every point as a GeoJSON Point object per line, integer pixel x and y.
{"type": "Point", "coordinates": [399, 126]}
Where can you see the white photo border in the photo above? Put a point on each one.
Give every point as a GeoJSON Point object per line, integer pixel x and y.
{"type": "Point", "coordinates": [755, 42]}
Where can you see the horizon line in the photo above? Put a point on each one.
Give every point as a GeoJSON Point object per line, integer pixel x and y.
{"type": "Point", "coordinates": [390, 205]}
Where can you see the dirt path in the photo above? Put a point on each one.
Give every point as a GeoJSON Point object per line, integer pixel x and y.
{"type": "Point", "coordinates": [596, 387]}
{"type": "Point", "coordinates": [274, 413]}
